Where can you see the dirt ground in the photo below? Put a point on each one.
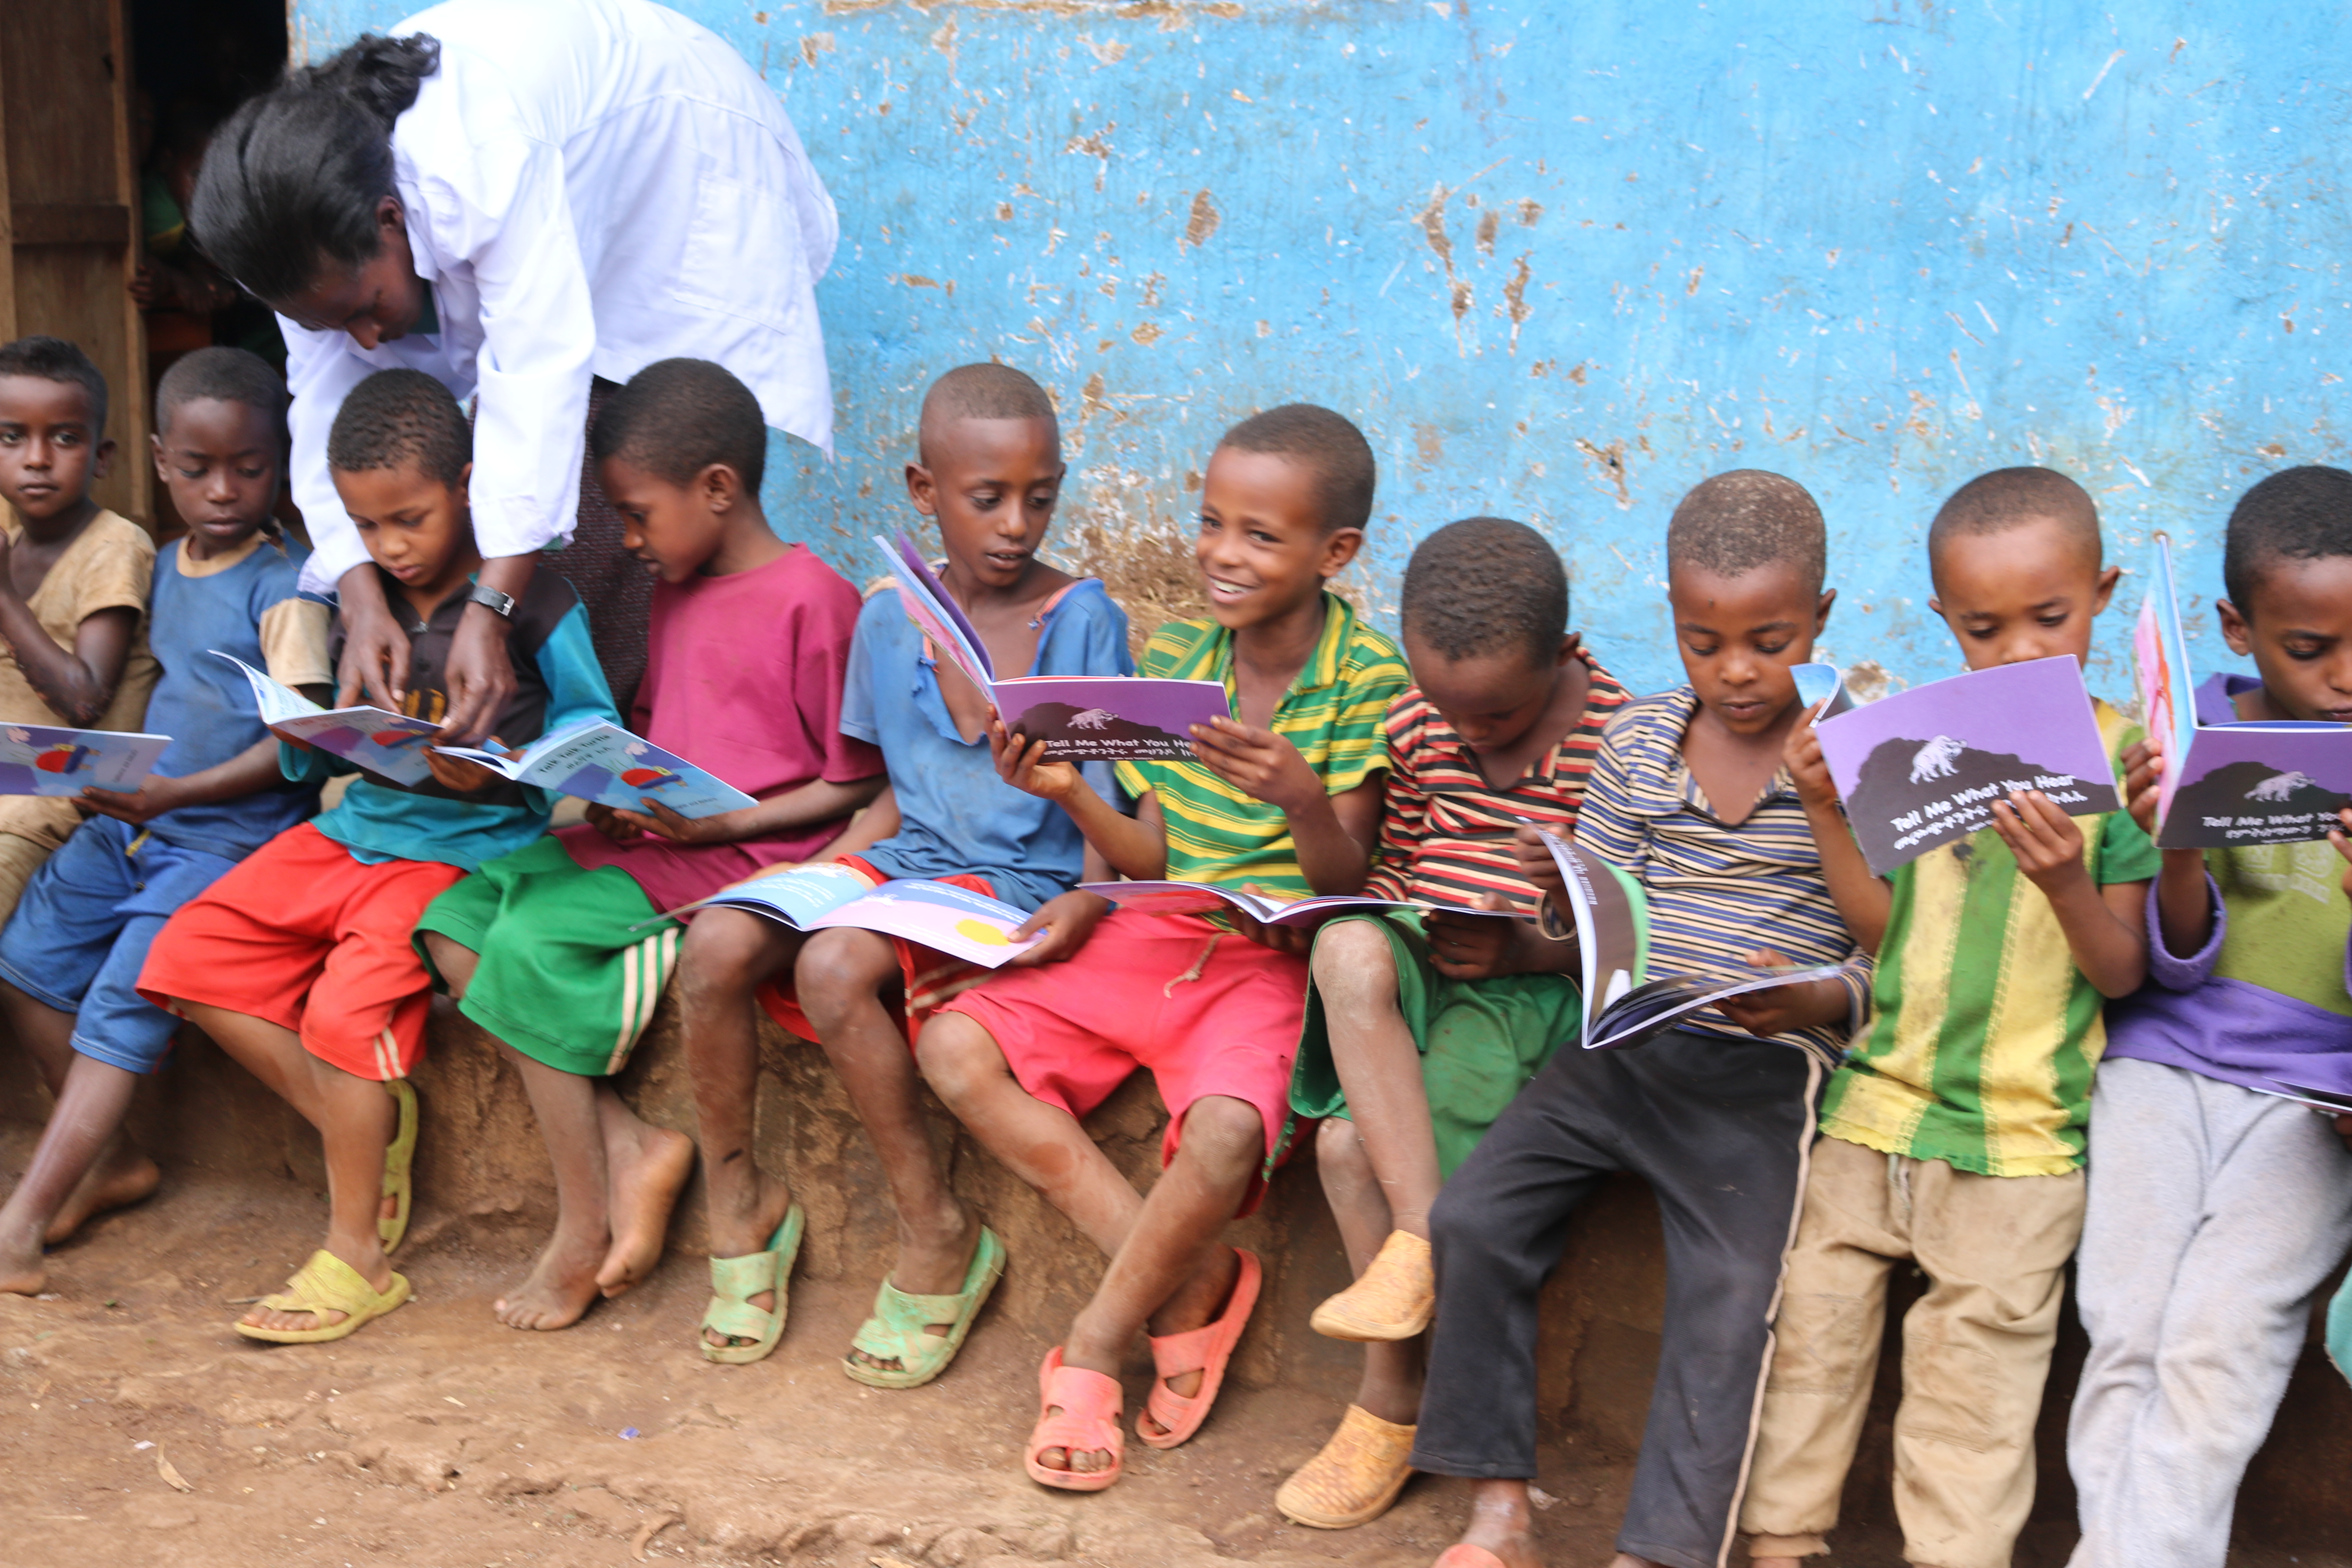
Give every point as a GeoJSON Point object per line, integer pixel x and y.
{"type": "Point", "coordinates": [438, 1437]}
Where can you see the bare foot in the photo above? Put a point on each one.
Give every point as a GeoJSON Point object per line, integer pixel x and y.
{"type": "Point", "coordinates": [643, 1177]}
{"type": "Point", "coordinates": [934, 1264]}
{"type": "Point", "coordinates": [560, 1286]}
{"type": "Point", "coordinates": [1774, 1562]}
{"type": "Point", "coordinates": [367, 1259]}
{"type": "Point", "coordinates": [1499, 1523]}
{"type": "Point", "coordinates": [121, 1177]}
{"type": "Point", "coordinates": [741, 1235]}
{"type": "Point", "coordinates": [1196, 1306]}
{"type": "Point", "coordinates": [22, 1272]}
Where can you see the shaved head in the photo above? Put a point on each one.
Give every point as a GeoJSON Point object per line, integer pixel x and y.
{"type": "Point", "coordinates": [981, 392]}
{"type": "Point", "coordinates": [1734, 523]}
{"type": "Point", "coordinates": [2016, 498]}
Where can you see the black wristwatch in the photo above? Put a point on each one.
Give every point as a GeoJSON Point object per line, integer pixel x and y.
{"type": "Point", "coordinates": [499, 604]}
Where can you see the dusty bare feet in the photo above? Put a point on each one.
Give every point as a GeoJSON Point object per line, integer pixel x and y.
{"type": "Point", "coordinates": [738, 1233]}
{"type": "Point", "coordinates": [644, 1174]}
{"type": "Point", "coordinates": [121, 1177]}
{"type": "Point", "coordinates": [932, 1262]}
{"type": "Point", "coordinates": [366, 1258]}
{"type": "Point", "coordinates": [1196, 1306]}
{"type": "Point", "coordinates": [560, 1286]}
{"type": "Point", "coordinates": [1774, 1562]}
{"type": "Point", "coordinates": [1499, 1524]}
{"type": "Point", "coordinates": [22, 1272]}
{"type": "Point", "coordinates": [1084, 1462]}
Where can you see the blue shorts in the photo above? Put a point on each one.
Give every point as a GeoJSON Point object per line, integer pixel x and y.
{"type": "Point", "coordinates": [81, 933]}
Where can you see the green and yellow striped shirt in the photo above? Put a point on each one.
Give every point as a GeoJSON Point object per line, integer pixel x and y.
{"type": "Point", "coordinates": [1984, 1035]}
{"type": "Point", "coordinates": [1332, 713]}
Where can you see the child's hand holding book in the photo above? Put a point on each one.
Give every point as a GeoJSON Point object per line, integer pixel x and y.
{"type": "Point", "coordinates": [661, 822]}
{"type": "Point", "coordinates": [457, 774]}
{"type": "Point", "coordinates": [2047, 844]}
{"type": "Point", "coordinates": [1067, 920]}
{"type": "Point", "coordinates": [1022, 763]}
{"type": "Point", "coordinates": [1778, 1009]}
{"type": "Point", "coordinates": [2143, 781]}
{"type": "Point", "coordinates": [1258, 763]}
{"type": "Point", "coordinates": [1463, 947]}
{"type": "Point", "coordinates": [616, 825]}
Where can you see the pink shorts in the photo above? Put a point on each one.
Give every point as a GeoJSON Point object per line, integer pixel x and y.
{"type": "Point", "coordinates": [1207, 1010]}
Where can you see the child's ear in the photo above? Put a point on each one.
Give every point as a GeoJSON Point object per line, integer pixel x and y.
{"type": "Point", "coordinates": [1571, 645]}
{"type": "Point", "coordinates": [1339, 547]}
{"type": "Point", "coordinates": [2108, 577]}
{"type": "Point", "coordinates": [163, 470]}
{"type": "Point", "coordinates": [102, 458]}
{"type": "Point", "coordinates": [2236, 630]}
{"type": "Point", "coordinates": [721, 486]}
{"type": "Point", "coordinates": [922, 489]}
{"type": "Point", "coordinates": [1822, 610]}
{"type": "Point", "coordinates": [462, 488]}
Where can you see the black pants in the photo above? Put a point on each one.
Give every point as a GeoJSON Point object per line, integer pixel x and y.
{"type": "Point", "coordinates": [1718, 1128]}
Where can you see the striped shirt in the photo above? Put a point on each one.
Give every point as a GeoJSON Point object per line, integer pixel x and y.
{"type": "Point", "coordinates": [1332, 713]}
{"type": "Point", "coordinates": [1986, 1034]}
{"type": "Point", "coordinates": [1716, 892]}
{"type": "Point", "coordinates": [1446, 832]}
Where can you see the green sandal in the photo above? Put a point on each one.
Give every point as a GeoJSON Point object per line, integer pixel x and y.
{"type": "Point", "coordinates": [900, 1328]}
{"type": "Point", "coordinates": [735, 1280]}
{"type": "Point", "coordinates": [398, 1157]}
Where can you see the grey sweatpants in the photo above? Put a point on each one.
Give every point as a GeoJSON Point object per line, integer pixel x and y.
{"type": "Point", "coordinates": [2214, 1215]}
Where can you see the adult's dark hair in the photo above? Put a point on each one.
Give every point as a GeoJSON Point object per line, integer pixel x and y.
{"type": "Point", "coordinates": [2296, 514]}
{"type": "Point", "coordinates": [2004, 498]}
{"type": "Point", "coordinates": [54, 359]}
{"type": "Point", "coordinates": [1737, 522]}
{"type": "Point", "coordinates": [1321, 440]}
{"type": "Point", "coordinates": [397, 416]}
{"type": "Point", "coordinates": [290, 183]}
{"type": "Point", "coordinates": [678, 416]}
{"type": "Point", "coordinates": [223, 375]}
{"type": "Point", "coordinates": [1483, 584]}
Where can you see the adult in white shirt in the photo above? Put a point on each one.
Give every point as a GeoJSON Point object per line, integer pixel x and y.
{"type": "Point", "coordinates": [515, 196]}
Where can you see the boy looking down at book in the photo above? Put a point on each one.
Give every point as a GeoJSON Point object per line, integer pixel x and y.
{"type": "Point", "coordinates": [1286, 797]}
{"type": "Point", "coordinates": [1952, 1136]}
{"type": "Point", "coordinates": [1688, 797]}
{"type": "Point", "coordinates": [561, 949]}
{"type": "Point", "coordinates": [74, 580]}
{"type": "Point", "coordinates": [2216, 1210]}
{"type": "Point", "coordinates": [1421, 1027]}
{"type": "Point", "coordinates": [298, 963]}
{"type": "Point", "coordinates": [989, 475]}
{"type": "Point", "coordinates": [70, 956]}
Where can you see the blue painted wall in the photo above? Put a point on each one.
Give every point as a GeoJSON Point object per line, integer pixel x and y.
{"type": "Point", "coordinates": [1562, 262]}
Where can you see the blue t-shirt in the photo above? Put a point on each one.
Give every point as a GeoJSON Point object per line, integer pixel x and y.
{"type": "Point", "coordinates": [205, 703]}
{"type": "Point", "coordinates": [955, 815]}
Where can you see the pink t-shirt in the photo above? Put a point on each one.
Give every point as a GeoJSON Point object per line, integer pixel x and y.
{"type": "Point", "coordinates": [743, 678]}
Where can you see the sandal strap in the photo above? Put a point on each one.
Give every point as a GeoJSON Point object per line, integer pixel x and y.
{"type": "Point", "coordinates": [740, 1278]}
{"type": "Point", "coordinates": [1089, 1421]}
{"type": "Point", "coordinates": [324, 1284]}
{"type": "Point", "coordinates": [738, 1319]}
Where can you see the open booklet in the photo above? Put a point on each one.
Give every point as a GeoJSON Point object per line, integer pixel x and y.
{"type": "Point", "coordinates": [1082, 717]}
{"type": "Point", "coordinates": [959, 922]}
{"type": "Point", "coordinates": [1922, 768]}
{"type": "Point", "coordinates": [1623, 1003]}
{"type": "Point", "coordinates": [2336, 1102]}
{"type": "Point", "coordinates": [593, 759]}
{"type": "Point", "coordinates": [1207, 898]}
{"type": "Point", "coordinates": [2246, 782]}
{"type": "Point", "coordinates": [42, 758]}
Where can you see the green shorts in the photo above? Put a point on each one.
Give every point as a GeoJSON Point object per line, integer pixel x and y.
{"type": "Point", "coordinates": [1481, 1040]}
{"type": "Point", "coordinates": [573, 962]}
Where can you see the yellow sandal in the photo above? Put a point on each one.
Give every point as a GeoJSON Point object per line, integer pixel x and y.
{"type": "Point", "coordinates": [1356, 1477]}
{"type": "Point", "coordinates": [323, 1285]}
{"type": "Point", "coordinates": [1394, 1299]}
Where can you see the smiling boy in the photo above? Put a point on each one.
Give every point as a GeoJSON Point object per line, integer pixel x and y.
{"type": "Point", "coordinates": [1286, 795]}
{"type": "Point", "coordinates": [1687, 796]}
{"type": "Point", "coordinates": [559, 950]}
{"type": "Point", "coordinates": [1952, 1137]}
{"type": "Point", "coordinates": [1422, 1028]}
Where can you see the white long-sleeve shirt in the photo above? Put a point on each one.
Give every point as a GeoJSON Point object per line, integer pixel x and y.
{"type": "Point", "coordinates": [590, 185]}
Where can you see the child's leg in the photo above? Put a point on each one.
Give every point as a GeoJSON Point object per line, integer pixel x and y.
{"type": "Point", "coordinates": [1391, 1388]}
{"type": "Point", "coordinates": [108, 1174]}
{"type": "Point", "coordinates": [563, 1282]}
{"type": "Point", "coordinates": [355, 1121]}
{"type": "Point", "coordinates": [1825, 1357]}
{"type": "Point", "coordinates": [88, 1115]}
{"type": "Point", "coordinates": [839, 980]}
{"type": "Point", "coordinates": [1379, 1066]}
{"type": "Point", "coordinates": [2192, 1348]}
{"type": "Point", "coordinates": [726, 955]}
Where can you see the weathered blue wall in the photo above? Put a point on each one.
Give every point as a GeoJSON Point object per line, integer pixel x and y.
{"type": "Point", "coordinates": [1562, 261]}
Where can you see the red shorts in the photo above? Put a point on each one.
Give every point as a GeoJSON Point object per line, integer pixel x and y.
{"type": "Point", "coordinates": [1207, 1010]}
{"type": "Point", "coordinates": [304, 936]}
{"type": "Point", "coordinates": [931, 976]}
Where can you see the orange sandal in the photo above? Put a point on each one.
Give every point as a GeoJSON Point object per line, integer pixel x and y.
{"type": "Point", "coordinates": [1463, 1557]}
{"type": "Point", "coordinates": [1205, 1351]}
{"type": "Point", "coordinates": [1089, 1424]}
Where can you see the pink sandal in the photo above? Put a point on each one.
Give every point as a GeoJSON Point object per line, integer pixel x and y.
{"type": "Point", "coordinates": [1205, 1351]}
{"type": "Point", "coordinates": [1466, 1556]}
{"type": "Point", "coordinates": [1089, 1424]}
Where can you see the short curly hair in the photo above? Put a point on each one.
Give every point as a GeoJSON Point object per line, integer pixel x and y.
{"type": "Point", "coordinates": [397, 416]}
{"type": "Point", "coordinates": [222, 374]}
{"type": "Point", "coordinates": [1737, 521]}
{"type": "Point", "coordinates": [1341, 459]}
{"type": "Point", "coordinates": [54, 359]}
{"type": "Point", "coordinates": [1485, 583]}
{"type": "Point", "coordinates": [2296, 514]}
{"type": "Point", "coordinates": [678, 416]}
{"type": "Point", "coordinates": [2004, 498]}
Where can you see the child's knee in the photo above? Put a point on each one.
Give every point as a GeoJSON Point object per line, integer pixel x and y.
{"type": "Point", "coordinates": [957, 1055]}
{"type": "Point", "coordinates": [726, 953]}
{"type": "Point", "coordinates": [1339, 1151]}
{"type": "Point", "coordinates": [1224, 1136]}
{"type": "Point", "coordinates": [840, 969]}
{"type": "Point", "coordinates": [1354, 966]}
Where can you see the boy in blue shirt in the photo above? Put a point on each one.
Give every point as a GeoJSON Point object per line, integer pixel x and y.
{"type": "Point", "coordinates": [69, 958]}
{"type": "Point", "coordinates": [298, 963]}
{"type": "Point", "coordinates": [990, 474]}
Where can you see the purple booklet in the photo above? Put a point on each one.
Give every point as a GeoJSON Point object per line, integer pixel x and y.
{"type": "Point", "coordinates": [1922, 768]}
{"type": "Point", "coordinates": [1082, 717]}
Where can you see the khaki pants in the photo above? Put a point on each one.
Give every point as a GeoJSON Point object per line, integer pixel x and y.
{"type": "Point", "coordinates": [1976, 1352]}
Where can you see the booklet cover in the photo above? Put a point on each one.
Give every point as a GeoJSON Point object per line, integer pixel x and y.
{"type": "Point", "coordinates": [390, 745]}
{"type": "Point", "coordinates": [1082, 717]}
{"type": "Point", "coordinates": [956, 921]}
{"type": "Point", "coordinates": [2252, 781]}
{"type": "Point", "coordinates": [1207, 898]}
{"type": "Point", "coordinates": [42, 758]}
{"type": "Point", "coordinates": [597, 760]}
{"type": "Point", "coordinates": [1922, 768]}
{"type": "Point", "coordinates": [1821, 688]}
